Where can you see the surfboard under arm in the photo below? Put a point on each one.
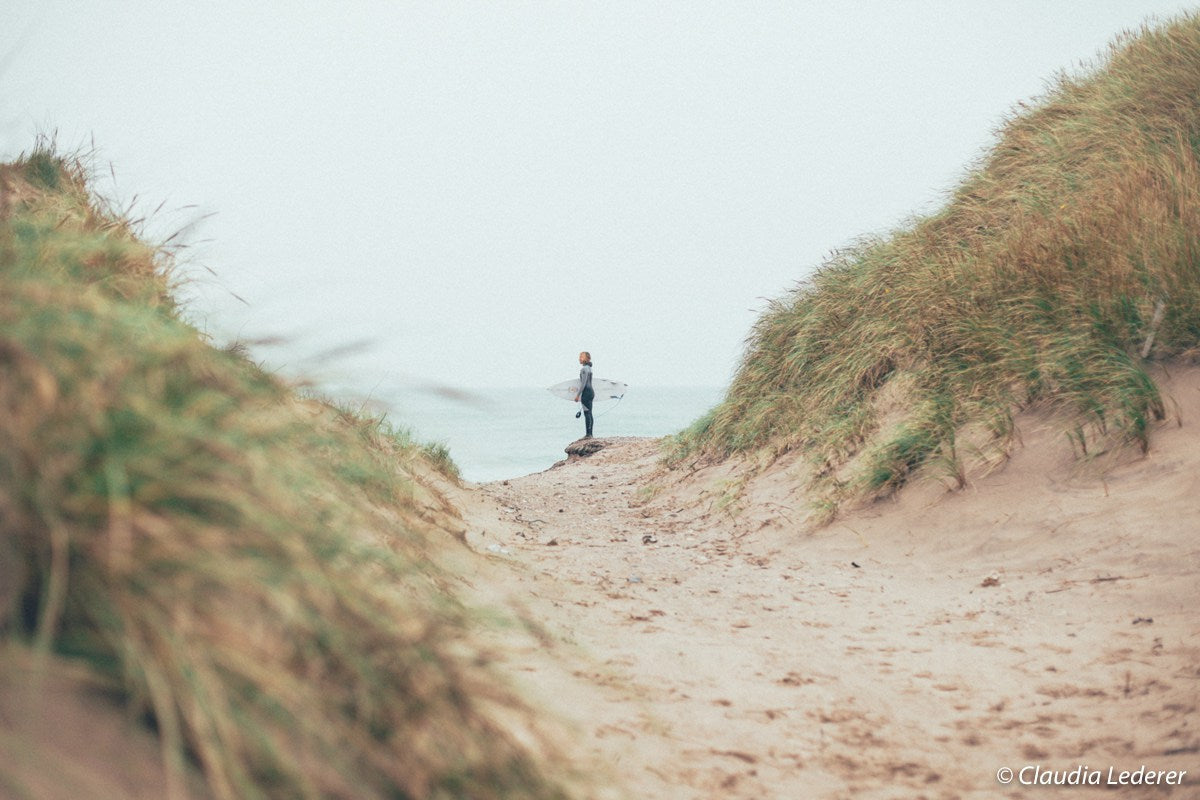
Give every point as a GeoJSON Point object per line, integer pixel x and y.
{"type": "Point", "coordinates": [604, 389]}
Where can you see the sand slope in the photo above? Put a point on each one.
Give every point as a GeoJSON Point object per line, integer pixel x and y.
{"type": "Point", "coordinates": [705, 646]}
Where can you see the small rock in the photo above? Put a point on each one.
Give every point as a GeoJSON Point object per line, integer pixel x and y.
{"type": "Point", "coordinates": [649, 538]}
{"type": "Point", "coordinates": [552, 543]}
{"type": "Point", "coordinates": [584, 447]}
{"type": "Point", "coordinates": [990, 580]}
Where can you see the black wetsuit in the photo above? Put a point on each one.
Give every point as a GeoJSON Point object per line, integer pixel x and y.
{"type": "Point", "coordinates": [586, 395]}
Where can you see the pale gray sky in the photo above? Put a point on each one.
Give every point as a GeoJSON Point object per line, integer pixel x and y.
{"type": "Point", "coordinates": [480, 190]}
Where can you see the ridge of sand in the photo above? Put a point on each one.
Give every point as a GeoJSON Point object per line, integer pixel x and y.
{"type": "Point", "coordinates": [1042, 617]}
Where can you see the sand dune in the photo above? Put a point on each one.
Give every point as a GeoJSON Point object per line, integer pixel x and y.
{"type": "Point", "coordinates": [702, 643]}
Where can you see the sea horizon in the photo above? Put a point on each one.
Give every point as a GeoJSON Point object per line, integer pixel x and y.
{"type": "Point", "coordinates": [515, 431]}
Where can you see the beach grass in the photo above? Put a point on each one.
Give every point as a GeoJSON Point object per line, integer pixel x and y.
{"type": "Point", "coordinates": [1065, 260]}
{"type": "Point", "coordinates": [251, 570]}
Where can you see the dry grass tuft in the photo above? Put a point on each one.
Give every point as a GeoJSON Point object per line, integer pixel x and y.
{"type": "Point", "coordinates": [225, 553]}
{"type": "Point", "coordinates": [1068, 256]}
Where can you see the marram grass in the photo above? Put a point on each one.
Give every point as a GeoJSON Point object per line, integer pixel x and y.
{"type": "Point", "coordinates": [247, 567]}
{"type": "Point", "coordinates": [1067, 256]}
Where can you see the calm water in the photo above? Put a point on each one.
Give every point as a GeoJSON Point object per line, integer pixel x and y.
{"type": "Point", "coordinates": [518, 431]}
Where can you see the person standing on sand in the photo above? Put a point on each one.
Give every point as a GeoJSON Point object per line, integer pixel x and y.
{"type": "Point", "coordinates": [586, 394]}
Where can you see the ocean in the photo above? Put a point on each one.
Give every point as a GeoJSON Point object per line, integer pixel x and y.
{"type": "Point", "coordinates": [514, 432]}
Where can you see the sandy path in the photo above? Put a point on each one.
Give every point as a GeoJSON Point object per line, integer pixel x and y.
{"type": "Point", "coordinates": [910, 650]}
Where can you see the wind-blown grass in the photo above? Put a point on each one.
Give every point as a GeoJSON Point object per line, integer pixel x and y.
{"type": "Point", "coordinates": [1066, 257]}
{"type": "Point", "coordinates": [247, 566]}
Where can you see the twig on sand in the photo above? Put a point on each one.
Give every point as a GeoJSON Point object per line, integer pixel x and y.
{"type": "Point", "coordinates": [1108, 578]}
{"type": "Point", "coordinates": [1098, 579]}
{"type": "Point", "coordinates": [862, 539]}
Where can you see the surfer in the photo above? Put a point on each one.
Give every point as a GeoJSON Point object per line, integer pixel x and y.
{"type": "Point", "coordinates": [586, 395]}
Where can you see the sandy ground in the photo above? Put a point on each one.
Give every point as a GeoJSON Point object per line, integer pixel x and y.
{"type": "Point", "coordinates": [64, 737]}
{"type": "Point", "coordinates": [1043, 619]}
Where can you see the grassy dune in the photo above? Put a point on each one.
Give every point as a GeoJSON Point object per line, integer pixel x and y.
{"type": "Point", "coordinates": [1067, 257]}
{"type": "Point", "coordinates": [248, 569]}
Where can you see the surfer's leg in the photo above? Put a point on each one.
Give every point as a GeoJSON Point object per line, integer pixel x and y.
{"type": "Point", "coordinates": [586, 401]}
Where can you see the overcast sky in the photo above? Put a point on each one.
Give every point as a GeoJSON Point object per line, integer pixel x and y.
{"type": "Point", "coordinates": [469, 194]}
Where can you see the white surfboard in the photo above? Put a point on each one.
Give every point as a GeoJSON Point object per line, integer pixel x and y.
{"type": "Point", "coordinates": [604, 389]}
